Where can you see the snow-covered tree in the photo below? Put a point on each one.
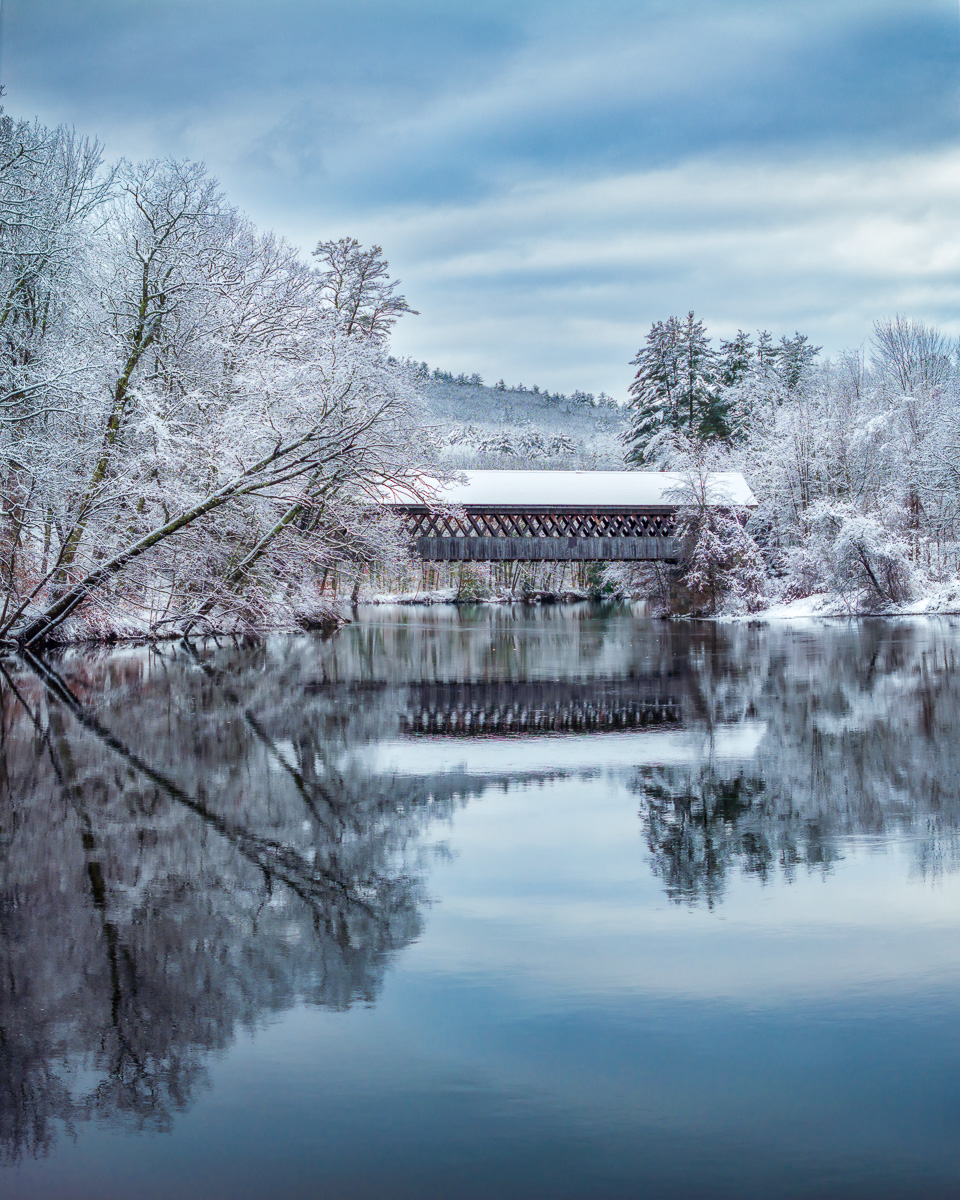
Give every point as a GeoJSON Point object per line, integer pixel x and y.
{"type": "Point", "coordinates": [355, 282]}
{"type": "Point", "coordinates": [52, 194]}
{"type": "Point", "coordinates": [722, 564]}
{"type": "Point", "coordinates": [736, 359]}
{"type": "Point", "coordinates": [913, 358]}
{"type": "Point", "coordinates": [860, 560]}
{"type": "Point", "coordinates": [794, 357]}
{"type": "Point", "coordinates": [195, 422]}
{"type": "Point", "coordinates": [674, 390]}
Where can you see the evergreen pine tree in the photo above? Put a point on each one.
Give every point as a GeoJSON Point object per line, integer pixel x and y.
{"type": "Point", "coordinates": [736, 358]}
{"type": "Point", "coordinates": [793, 358]}
{"type": "Point", "coordinates": [766, 350]}
{"type": "Point", "coordinates": [734, 364]}
{"type": "Point", "coordinates": [698, 376]}
{"type": "Point", "coordinates": [674, 390]}
{"type": "Point", "coordinates": [654, 392]}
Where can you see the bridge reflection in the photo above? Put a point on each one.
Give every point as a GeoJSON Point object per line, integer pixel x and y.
{"type": "Point", "coordinates": [470, 708]}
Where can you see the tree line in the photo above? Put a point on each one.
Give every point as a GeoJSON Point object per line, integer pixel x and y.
{"type": "Point", "coordinates": [588, 399]}
{"type": "Point", "coordinates": [194, 418]}
{"type": "Point", "coordinates": [686, 386]}
{"type": "Point", "coordinates": [853, 460]}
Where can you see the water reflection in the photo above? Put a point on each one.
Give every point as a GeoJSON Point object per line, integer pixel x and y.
{"type": "Point", "coordinates": [861, 728]}
{"type": "Point", "coordinates": [175, 866]}
{"type": "Point", "coordinates": [193, 839]}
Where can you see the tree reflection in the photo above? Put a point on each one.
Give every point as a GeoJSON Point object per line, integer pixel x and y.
{"type": "Point", "coordinates": [862, 741]}
{"type": "Point", "coordinates": [194, 839]}
{"type": "Point", "coordinates": [166, 886]}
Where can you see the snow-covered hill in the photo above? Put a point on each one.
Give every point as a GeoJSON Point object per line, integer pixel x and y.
{"type": "Point", "coordinates": [504, 427]}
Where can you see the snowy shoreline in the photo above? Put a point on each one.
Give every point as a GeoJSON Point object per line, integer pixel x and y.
{"type": "Point", "coordinates": [819, 607]}
{"type": "Point", "coordinates": [827, 605]}
{"type": "Point", "coordinates": [822, 604]}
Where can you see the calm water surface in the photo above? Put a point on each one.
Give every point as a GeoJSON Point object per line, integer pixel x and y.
{"type": "Point", "coordinates": [492, 903]}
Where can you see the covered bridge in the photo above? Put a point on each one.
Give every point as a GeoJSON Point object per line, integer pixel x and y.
{"type": "Point", "coordinates": [558, 516]}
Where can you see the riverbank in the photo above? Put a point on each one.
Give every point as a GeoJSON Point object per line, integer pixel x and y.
{"type": "Point", "coordinates": [822, 605]}
{"type": "Point", "coordinates": [498, 596]}
{"type": "Point", "coordinates": [93, 628]}
{"type": "Point", "coordinates": [944, 602]}
{"type": "Point", "coordinates": [96, 628]}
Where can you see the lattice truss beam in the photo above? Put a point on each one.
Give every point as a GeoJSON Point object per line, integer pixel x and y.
{"type": "Point", "coordinates": [476, 522]}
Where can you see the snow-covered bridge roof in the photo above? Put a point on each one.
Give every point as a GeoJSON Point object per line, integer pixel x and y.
{"type": "Point", "coordinates": [577, 489]}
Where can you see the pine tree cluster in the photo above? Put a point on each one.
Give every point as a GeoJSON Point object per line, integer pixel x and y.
{"type": "Point", "coordinates": [684, 386]}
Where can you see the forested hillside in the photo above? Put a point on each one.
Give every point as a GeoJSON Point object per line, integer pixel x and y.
{"type": "Point", "coordinates": [500, 426]}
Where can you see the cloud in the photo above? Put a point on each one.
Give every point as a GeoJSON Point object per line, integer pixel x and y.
{"type": "Point", "coordinates": [430, 99]}
{"type": "Point", "coordinates": [617, 95]}
{"type": "Point", "coordinates": [546, 176]}
{"type": "Point", "coordinates": [559, 280]}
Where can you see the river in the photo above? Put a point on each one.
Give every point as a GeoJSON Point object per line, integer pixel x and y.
{"type": "Point", "coordinates": [491, 902]}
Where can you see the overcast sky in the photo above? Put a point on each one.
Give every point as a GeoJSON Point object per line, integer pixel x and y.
{"type": "Point", "coordinates": [548, 177]}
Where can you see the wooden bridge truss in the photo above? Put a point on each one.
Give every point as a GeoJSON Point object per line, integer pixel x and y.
{"type": "Point", "coordinates": [539, 534]}
{"type": "Point", "coordinates": [555, 516]}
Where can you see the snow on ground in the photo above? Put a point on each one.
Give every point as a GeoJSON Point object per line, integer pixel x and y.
{"type": "Point", "coordinates": [822, 605]}
{"type": "Point", "coordinates": [943, 602]}
{"type": "Point", "coordinates": [436, 596]}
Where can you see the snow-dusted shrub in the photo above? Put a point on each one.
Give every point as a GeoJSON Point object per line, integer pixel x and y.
{"type": "Point", "coordinates": [723, 565]}
{"type": "Point", "coordinates": [473, 582]}
{"type": "Point", "coordinates": [723, 568]}
{"type": "Point", "coordinates": [803, 573]}
{"type": "Point", "coordinates": [639, 581]}
{"type": "Point", "coordinates": [863, 561]}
